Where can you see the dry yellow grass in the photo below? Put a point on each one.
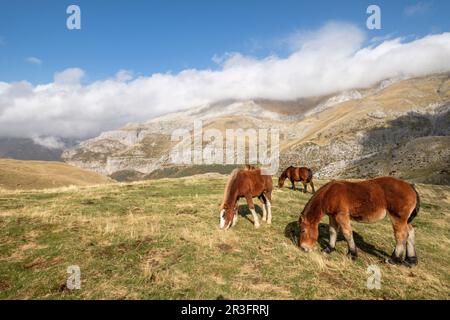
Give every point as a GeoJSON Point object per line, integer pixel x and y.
{"type": "Point", "coordinates": [17, 174]}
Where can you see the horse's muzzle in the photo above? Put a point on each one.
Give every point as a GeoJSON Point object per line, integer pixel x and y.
{"type": "Point", "coordinates": [305, 248]}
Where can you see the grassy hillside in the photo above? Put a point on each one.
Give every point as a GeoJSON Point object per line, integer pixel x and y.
{"type": "Point", "coordinates": [16, 174]}
{"type": "Point", "coordinates": [160, 239]}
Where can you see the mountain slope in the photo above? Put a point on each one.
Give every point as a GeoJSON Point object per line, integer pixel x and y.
{"type": "Point", "coordinates": [17, 174]}
{"type": "Point", "coordinates": [27, 149]}
{"type": "Point", "coordinates": [358, 133]}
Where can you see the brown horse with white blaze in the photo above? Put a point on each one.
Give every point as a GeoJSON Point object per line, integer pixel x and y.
{"type": "Point", "coordinates": [246, 184]}
{"type": "Point", "coordinates": [294, 174]}
{"type": "Point", "coordinates": [368, 202]}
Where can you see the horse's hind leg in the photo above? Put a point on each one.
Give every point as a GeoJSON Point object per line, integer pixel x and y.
{"type": "Point", "coordinates": [264, 205]}
{"type": "Point", "coordinates": [268, 197]}
{"type": "Point", "coordinates": [333, 235]}
{"type": "Point", "coordinates": [401, 235]}
{"type": "Point", "coordinates": [293, 184]}
{"type": "Point", "coordinates": [305, 185]}
{"type": "Point", "coordinates": [411, 256]}
{"type": "Point", "coordinates": [344, 222]}
{"type": "Point", "coordinates": [251, 206]}
{"type": "Point", "coordinates": [312, 186]}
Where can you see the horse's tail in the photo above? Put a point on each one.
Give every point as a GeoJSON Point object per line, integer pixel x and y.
{"type": "Point", "coordinates": [284, 173]}
{"type": "Point", "coordinates": [310, 175]}
{"type": "Point", "coordinates": [416, 209]}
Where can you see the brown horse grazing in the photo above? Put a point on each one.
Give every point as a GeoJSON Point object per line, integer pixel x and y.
{"type": "Point", "coordinates": [368, 202]}
{"type": "Point", "coordinates": [302, 174]}
{"type": "Point", "coordinates": [246, 184]}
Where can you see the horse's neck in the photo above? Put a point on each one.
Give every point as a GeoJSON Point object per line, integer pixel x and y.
{"type": "Point", "coordinates": [314, 214]}
{"type": "Point", "coordinates": [230, 198]}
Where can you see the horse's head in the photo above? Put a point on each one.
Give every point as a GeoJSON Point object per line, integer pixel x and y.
{"type": "Point", "coordinates": [227, 215]}
{"type": "Point", "coordinates": [308, 235]}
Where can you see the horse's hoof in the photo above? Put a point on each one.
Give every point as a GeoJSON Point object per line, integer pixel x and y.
{"type": "Point", "coordinates": [329, 250]}
{"type": "Point", "coordinates": [257, 225]}
{"type": "Point", "coordinates": [394, 261]}
{"type": "Point", "coordinates": [411, 261]}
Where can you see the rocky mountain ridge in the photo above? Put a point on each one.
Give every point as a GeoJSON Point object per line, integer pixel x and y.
{"type": "Point", "coordinates": [386, 129]}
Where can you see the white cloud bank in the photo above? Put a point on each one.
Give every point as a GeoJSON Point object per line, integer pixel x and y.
{"type": "Point", "coordinates": [328, 60]}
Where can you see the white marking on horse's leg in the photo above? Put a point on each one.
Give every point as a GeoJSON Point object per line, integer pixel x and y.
{"type": "Point", "coordinates": [351, 244]}
{"type": "Point", "coordinates": [264, 217]}
{"type": "Point", "coordinates": [255, 218]}
{"type": "Point", "coordinates": [348, 235]}
{"type": "Point", "coordinates": [222, 219]}
{"type": "Point", "coordinates": [333, 234]}
{"type": "Point", "coordinates": [410, 246]}
{"type": "Point", "coordinates": [399, 249]}
{"type": "Point", "coordinates": [235, 219]}
{"type": "Point", "coordinates": [269, 212]}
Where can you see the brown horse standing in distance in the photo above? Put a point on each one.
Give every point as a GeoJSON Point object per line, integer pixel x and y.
{"type": "Point", "coordinates": [248, 184]}
{"type": "Point", "coordinates": [302, 174]}
{"type": "Point", "coordinates": [368, 202]}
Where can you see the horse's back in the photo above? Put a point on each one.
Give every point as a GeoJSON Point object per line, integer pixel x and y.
{"type": "Point", "coordinates": [347, 196]}
{"type": "Point", "coordinates": [299, 173]}
{"type": "Point", "coordinates": [399, 194]}
{"type": "Point", "coordinates": [253, 181]}
{"type": "Point", "coordinates": [373, 198]}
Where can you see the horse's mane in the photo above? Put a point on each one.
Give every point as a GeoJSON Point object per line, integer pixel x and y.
{"type": "Point", "coordinates": [314, 197]}
{"type": "Point", "coordinates": [231, 179]}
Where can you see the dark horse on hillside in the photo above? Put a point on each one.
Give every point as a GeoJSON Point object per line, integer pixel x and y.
{"type": "Point", "coordinates": [294, 174]}
{"type": "Point", "coordinates": [368, 202]}
{"type": "Point", "coordinates": [246, 183]}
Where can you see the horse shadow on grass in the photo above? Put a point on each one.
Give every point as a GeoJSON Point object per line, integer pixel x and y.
{"type": "Point", "coordinates": [292, 232]}
{"type": "Point", "coordinates": [245, 213]}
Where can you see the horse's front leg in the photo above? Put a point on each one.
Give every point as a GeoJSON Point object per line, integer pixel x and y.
{"type": "Point", "coordinates": [343, 220]}
{"type": "Point", "coordinates": [236, 213]}
{"type": "Point", "coordinates": [251, 206]}
{"type": "Point", "coordinates": [293, 184]}
{"type": "Point", "coordinates": [333, 225]}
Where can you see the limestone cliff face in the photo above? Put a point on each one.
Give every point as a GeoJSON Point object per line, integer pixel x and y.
{"type": "Point", "coordinates": [400, 127]}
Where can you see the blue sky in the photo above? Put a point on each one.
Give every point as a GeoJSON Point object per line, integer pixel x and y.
{"type": "Point", "coordinates": [169, 36]}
